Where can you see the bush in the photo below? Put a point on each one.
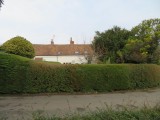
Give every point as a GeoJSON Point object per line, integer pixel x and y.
{"type": "Point", "coordinates": [22, 75]}
{"type": "Point", "coordinates": [12, 73]}
{"type": "Point", "coordinates": [43, 77]}
{"type": "Point", "coordinates": [103, 77]}
{"type": "Point", "coordinates": [144, 76]}
{"type": "Point", "coordinates": [19, 46]}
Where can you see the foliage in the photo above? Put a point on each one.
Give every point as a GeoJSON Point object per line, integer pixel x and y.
{"type": "Point", "coordinates": [149, 33]}
{"type": "Point", "coordinates": [43, 78]}
{"type": "Point", "coordinates": [19, 46]}
{"type": "Point", "coordinates": [103, 77]}
{"type": "Point", "coordinates": [135, 51]}
{"type": "Point", "coordinates": [122, 46]}
{"type": "Point", "coordinates": [22, 75]}
{"type": "Point", "coordinates": [110, 43]}
{"type": "Point", "coordinates": [12, 73]}
{"type": "Point", "coordinates": [156, 56]}
{"type": "Point", "coordinates": [144, 76]}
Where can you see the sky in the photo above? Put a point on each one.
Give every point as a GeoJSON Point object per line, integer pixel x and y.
{"type": "Point", "coordinates": [39, 21]}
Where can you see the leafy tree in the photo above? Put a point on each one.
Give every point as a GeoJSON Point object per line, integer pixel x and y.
{"type": "Point", "coordinates": [138, 45]}
{"type": "Point", "coordinates": [109, 44]}
{"type": "Point", "coordinates": [135, 51]}
{"type": "Point", "coordinates": [19, 46]}
{"type": "Point", "coordinates": [149, 32]}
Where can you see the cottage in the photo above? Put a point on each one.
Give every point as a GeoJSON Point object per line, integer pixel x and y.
{"type": "Point", "coordinates": [63, 53]}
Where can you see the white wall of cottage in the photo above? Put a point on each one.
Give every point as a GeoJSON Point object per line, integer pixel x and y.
{"type": "Point", "coordinates": [73, 59]}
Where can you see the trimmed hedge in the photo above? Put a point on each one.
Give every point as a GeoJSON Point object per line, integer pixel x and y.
{"type": "Point", "coordinates": [13, 70]}
{"type": "Point", "coordinates": [21, 75]}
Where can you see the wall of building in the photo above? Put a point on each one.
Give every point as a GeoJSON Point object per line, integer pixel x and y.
{"type": "Point", "coordinates": [74, 59]}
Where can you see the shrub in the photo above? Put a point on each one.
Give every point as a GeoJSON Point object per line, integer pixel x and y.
{"type": "Point", "coordinates": [19, 46]}
{"type": "Point", "coordinates": [12, 73]}
{"type": "Point", "coordinates": [44, 77]}
{"type": "Point", "coordinates": [144, 76]}
{"type": "Point", "coordinates": [103, 77]}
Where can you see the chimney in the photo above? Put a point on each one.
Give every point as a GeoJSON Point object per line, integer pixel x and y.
{"type": "Point", "coordinates": [52, 43]}
{"type": "Point", "coordinates": [71, 41]}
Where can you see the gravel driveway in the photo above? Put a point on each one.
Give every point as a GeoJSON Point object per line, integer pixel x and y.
{"type": "Point", "coordinates": [22, 107]}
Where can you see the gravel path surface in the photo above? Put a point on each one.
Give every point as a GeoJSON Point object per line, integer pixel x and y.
{"type": "Point", "coordinates": [23, 107]}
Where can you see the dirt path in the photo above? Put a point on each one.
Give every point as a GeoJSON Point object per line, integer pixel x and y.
{"type": "Point", "coordinates": [22, 107]}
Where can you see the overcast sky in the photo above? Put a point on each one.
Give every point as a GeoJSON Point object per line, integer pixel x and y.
{"type": "Point", "coordinates": [39, 20]}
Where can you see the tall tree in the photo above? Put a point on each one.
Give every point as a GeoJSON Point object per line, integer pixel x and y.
{"type": "Point", "coordinates": [149, 33]}
{"type": "Point", "coordinates": [109, 44]}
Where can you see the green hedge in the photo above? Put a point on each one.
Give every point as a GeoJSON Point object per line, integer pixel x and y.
{"type": "Point", "coordinates": [13, 70]}
{"type": "Point", "coordinates": [21, 75]}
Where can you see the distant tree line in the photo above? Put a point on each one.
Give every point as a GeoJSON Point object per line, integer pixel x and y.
{"type": "Point", "coordinates": [139, 45]}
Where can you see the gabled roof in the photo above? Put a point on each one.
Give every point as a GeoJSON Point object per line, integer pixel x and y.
{"type": "Point", "coordinates": [63, 49]}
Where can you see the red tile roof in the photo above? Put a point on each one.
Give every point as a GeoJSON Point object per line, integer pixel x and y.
{"type": "Point", "coordinates": [64, 49]}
